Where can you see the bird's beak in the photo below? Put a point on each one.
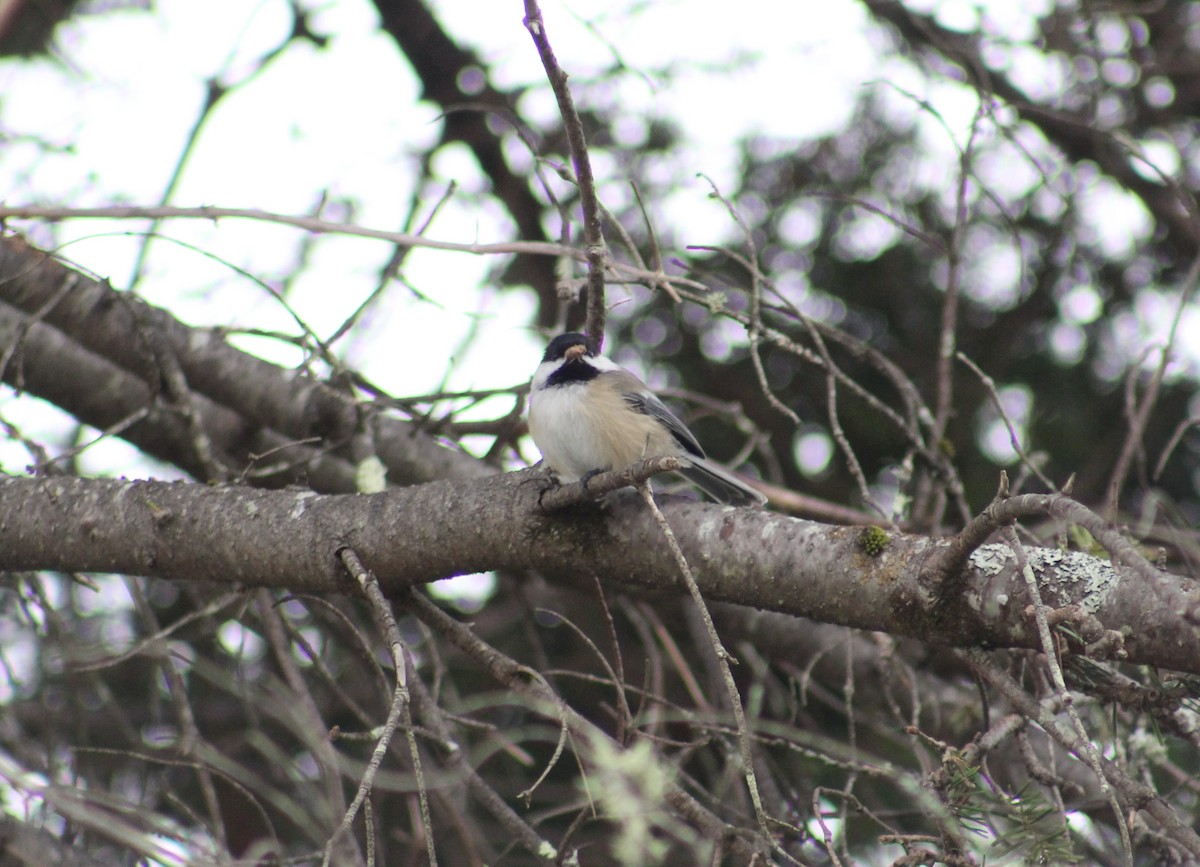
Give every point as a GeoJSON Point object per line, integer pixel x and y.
{"type": "Point", "coordinates": [574, 353]}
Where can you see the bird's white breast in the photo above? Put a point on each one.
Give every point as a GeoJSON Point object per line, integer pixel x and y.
{"type": "Point", "coordinates": [557, 422]}
{"type": "Point", "coordinates": [583, 427]}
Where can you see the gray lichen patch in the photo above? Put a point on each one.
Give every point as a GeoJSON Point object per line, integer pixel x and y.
{"type": "Point", "coordinates": [1071, 576]}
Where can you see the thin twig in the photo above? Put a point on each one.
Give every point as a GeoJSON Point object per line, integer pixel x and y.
{"type": "Point", "coordinates": [637, 473]}
{"type": "Point", "coordinates": [990, 385]}
{"type": "Point", "coordinates": [1182, 428]}
{"type": "Point", "coordinates": [526, 794]}
{"type": "Point", "coordinates": [1136, 794]}
{"type": "Point", "coordinates": [310, 224]}
{"type": "Point", "coordinates": [456, 760]}
{"type": "Point", "coordinates": [1090, 755]}
{"type": "Point", "coordinates": [400, 707]}
{"type": "Point", "coordinates": [616, 678]}
{"type": "Point", "coordinates": [215, 91]}
{"type": "Point", "coordinates": [723, 656]}
{"type": "Point", "coordinates": [826, 834]}
{"type": "Point", "coordinates": [190, 738]}
{"type": "Point", "coordinates": [392, 268]}
{"type": "Point", "coordinates": [1141, 415]}
{"type": "Point", "coordinates": [529, 684]}
{"type": "Point", "coordinates": [147, 643]}
{"type": "Point", "coordinates": [626, 273]}
{"type": "Point", "coordinates": [66, 288]}
{"type": "Point", "coordinates": [949, 327]}
{"type": "Point", "coordinates": [309, 723]}
{"type": "Point", "coordinates": [593, 230]}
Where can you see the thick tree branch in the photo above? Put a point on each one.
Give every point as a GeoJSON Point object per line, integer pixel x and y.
{"type": "Point", "coordinates": [113, 325]}
{"type": "Point", "coordinates": [47, 363]}
{"type": "Point", "coordinates": [288, 539]}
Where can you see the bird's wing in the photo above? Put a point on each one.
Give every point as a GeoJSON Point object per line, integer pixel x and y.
{"type": "Point", "coordinates": [641, 399]}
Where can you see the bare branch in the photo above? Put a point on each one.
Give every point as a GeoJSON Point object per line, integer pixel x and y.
{"type": "Point", "coordinates": [593, 227]}
{"type": "Point", "coordinates": [399, 706]}
{"type": "Point", "coordinates": [1136, 795]}
{"type": "Point", "coordinates": [288, 539]}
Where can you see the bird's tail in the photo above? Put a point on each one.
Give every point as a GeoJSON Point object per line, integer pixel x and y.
{"type": "Point", "coordinates": [720, 484]}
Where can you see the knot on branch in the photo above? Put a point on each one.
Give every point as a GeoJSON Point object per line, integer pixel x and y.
{"type": "Point", "coordinates": [943, 575]}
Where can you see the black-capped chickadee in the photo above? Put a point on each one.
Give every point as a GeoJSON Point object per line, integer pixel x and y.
{"type": "Point", "coordinates": [589, 415]}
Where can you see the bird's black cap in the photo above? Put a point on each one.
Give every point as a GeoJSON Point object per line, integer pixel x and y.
{"type": "Point", "coordinates": [559, 345]}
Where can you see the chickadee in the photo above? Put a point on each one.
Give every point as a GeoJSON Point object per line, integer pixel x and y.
{"type": "Point", "coordinates": [589, 415]}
